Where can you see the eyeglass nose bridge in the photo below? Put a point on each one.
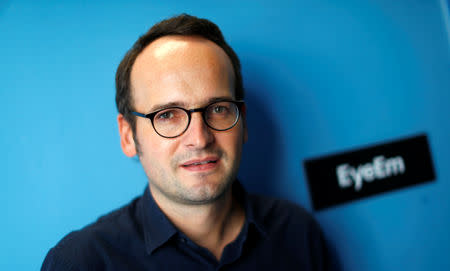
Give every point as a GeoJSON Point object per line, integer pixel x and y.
{"type": "Point", "coordinates": [202, 111]}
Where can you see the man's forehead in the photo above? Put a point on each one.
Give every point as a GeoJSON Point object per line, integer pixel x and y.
{"type": "Point", "coordinates": [159, 62]}
{"type": "Point", "coordinates": [164, 48]}
{"type": "Point", "coordinates": [169, 45]}
{"type": "Point", "coordinates": [175, 51]}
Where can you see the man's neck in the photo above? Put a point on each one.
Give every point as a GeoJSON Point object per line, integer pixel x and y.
{"type": "Point", "coordinates": [211, 226]}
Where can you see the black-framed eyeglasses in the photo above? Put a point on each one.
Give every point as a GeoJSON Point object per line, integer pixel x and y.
{"type": "Point", "coordinates": [174, 121]}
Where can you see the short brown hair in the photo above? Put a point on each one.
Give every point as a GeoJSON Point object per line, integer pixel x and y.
{"type": "Point", "coordinates": [185, 25]}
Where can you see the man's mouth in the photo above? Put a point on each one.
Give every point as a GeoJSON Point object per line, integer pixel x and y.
{"type": "Point", "coordinates": [200, 164]}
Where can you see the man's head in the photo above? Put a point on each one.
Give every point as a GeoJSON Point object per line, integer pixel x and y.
{"type": "Point", "coordinates": [182, 25]}
{"type": "Point", "coordinates": [187, 65]}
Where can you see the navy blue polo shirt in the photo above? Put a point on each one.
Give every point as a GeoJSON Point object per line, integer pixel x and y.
{"type": "Point", "coordinates": [277, 235]}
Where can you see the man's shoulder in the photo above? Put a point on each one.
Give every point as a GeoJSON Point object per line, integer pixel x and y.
{"type": "Point", "coordinates": [109, 226]}
{"type": "Point", "coordinates": [89, 245]}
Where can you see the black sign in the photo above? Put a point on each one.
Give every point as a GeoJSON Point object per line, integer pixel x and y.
{"type": "Point", "coordinates": [347, 176]}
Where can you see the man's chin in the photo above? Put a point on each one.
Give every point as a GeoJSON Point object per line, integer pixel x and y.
{"type": "Point", "coordinates": [210, 180]}
{"type": "Point", "coordinates": [202, 192]}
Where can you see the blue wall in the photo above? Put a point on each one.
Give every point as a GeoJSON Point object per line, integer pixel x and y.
{"type": "Point", "coordinates": [321, 77]}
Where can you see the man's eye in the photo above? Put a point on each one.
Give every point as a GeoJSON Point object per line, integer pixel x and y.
{"type": "Point", "coordinates": [166, 115]}
{"type": "Point", "coordinates": [219, 109]}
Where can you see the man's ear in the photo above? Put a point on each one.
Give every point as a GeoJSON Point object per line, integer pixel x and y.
{"type": "Point", "coordinates": [126, 136]}
{"type": "Point", "coordinates": [244, 121]}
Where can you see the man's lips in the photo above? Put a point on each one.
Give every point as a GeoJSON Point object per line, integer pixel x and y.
{"type": "Point", "coordinates": [201, 164]}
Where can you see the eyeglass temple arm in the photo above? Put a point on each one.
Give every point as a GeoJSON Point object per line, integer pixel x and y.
{"type": "Point", "coordinates": [139, 114]}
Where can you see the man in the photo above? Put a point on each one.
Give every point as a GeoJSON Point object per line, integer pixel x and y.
{"type": "Point", "coordinates": [181, 110]}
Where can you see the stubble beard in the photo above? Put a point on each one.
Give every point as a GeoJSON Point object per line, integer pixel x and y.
{"type": "Point", "coordinates": [175, 189]}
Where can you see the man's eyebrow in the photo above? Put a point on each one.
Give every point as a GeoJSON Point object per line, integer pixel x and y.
{"type": "Point", "coordinates": [186, 106]}
{"type": "Point", "coordinates": [218, 99]}
{"type": "Point", "coordinates": [167, 105]}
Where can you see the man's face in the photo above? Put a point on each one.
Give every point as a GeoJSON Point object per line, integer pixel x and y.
{"type": "Point", "coordinates": [188, 72]}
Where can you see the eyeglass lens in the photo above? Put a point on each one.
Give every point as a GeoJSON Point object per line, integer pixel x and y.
{"type": "Point", "coordinates": [172, 122]}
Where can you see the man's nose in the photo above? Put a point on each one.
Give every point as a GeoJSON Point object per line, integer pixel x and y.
{"type": "Point", "coordinates": [198, 134]}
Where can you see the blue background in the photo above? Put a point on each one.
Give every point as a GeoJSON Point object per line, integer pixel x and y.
{"type": "Point", "coordinates": [321, 77]}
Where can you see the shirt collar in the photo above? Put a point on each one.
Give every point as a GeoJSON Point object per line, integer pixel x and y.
{"type": "Point", "coordinates": [251, 214]}
{"type": "Point", "coordinates": [158, 229]}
